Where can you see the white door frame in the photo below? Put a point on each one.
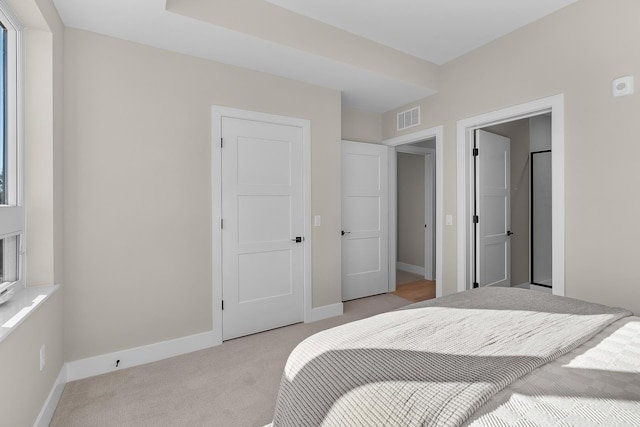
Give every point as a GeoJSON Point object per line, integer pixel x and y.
{"type": "Point", "coordinates": [437, 133]}
{"type": "Point", "coordinates": [429, 214]}
{"type": "Point", "coordinates": [429, 165]}
{"type": "Point", "coordinates": [464, 136]}
{"type": "Point", "coordinates": [217, 113]}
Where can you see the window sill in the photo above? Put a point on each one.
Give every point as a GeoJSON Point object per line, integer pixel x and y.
{"type": "Point", "coordinates": [21, 305]}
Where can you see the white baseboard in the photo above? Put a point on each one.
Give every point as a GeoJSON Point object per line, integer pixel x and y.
{"type": "Point", "coordinates": [540, 288]}
{"type": "Point", "coordinates": [410, 268]}
{"type": "Point", "coordinates": [49, 407]}
{"type": "Point", "coordinates": [533, 287]}
{"type": "Point", "coordinates": [522, 285]}
{"type": "Point", "coordinates": [327, 311]}
{"type": "Point", "coordinates": [104, 363]}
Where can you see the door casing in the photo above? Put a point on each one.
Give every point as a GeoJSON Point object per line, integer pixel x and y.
{"type": "Point", "coordinates": [410, 138]}
{"type": "Point", "coordinates": [464, 145]}
{"type": "Point", "coordinates": [217, 113]}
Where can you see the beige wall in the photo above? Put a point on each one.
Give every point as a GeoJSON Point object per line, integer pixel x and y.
{"type": "Point", "coordinates": [25, 388]}
{"type": "Point", "coordinates": [577, 51]}
{"type": "Point", "coordinates": [410, 209]}
{"type": "Point", "coordinates": [361, 126]}
{"type": "Point", "coordinates": [137, 172]}
{"type": "Point", "coordinates": [518, 133]}
{"type": "Point", "coordinates": [138, 187]}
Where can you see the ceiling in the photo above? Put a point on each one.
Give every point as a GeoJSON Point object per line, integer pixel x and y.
{"type": "Point", "coordinates": [421, 33]}
{"type": "Point", "coordinates": [434, 30]}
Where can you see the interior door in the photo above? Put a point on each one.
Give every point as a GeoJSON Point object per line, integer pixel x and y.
{"type": "Point", "coordinates": [365, 228]}
{"type": "Point", "coordinates": [263, 216]}
{"type": "Point", "coordinates": [493, 247]}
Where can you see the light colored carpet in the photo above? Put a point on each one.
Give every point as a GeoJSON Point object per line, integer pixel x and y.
{"type": "Point", "coordinates": [234, 384]}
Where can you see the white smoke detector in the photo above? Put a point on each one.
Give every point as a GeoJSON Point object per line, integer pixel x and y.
{"type": "Point", "coordinates": [622, 86]}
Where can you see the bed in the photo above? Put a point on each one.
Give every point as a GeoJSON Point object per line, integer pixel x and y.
{"type": "Point", "coordinates": [486, 357]}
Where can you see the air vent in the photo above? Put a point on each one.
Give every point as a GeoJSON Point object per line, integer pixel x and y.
{"type": "Point", "coordinates": [409, 118]}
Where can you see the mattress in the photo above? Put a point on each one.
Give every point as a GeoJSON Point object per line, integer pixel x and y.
{"type": "Point", "coordinates": [447, 362]}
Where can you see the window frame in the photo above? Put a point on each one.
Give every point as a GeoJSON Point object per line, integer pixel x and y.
{"type": "Point", "coordinates": [12, 214]}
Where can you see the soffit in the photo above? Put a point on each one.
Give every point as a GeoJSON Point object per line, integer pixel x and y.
{"type": "Point", "coordinates": [373, 74]}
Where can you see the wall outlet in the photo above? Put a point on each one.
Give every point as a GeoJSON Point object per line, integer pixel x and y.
{"type": "Point", "coordinates": [42, 357]}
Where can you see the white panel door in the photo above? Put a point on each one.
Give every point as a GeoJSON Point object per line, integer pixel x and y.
{"type": "Point", "coordinates": [493, 246]}
{"type": "Point", "coordinates": [262, 213]}
{"type": "Point", "coordinates": [365, 239]}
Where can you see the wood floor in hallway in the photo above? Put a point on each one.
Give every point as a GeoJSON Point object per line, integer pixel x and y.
{"type": "Point", "coordinates": [417, 291]}
{"type": "Point", "coordinates": [413, 287]}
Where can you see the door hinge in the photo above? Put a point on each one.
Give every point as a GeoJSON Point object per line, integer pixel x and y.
{"type": "Point", "coordinates": [223, 304]}
{"type": "Point", "coordinates": [476, 219]}
{"type": "Point", "coordinates": [221, 143]}
{"type": "Point", "coordinates": [475, 152]}
{"type": "Point", "coordinates": [476, 285]}
{"type": "Point", "coordinates": [222, 223]}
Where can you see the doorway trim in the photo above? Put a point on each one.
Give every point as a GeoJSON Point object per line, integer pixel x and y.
{"type": "Point", "coordinates": [437, 133]}
{"type": "Point", "coordinates": [217, 113]}
{"type": "Point", "coordinates": [464, 140]}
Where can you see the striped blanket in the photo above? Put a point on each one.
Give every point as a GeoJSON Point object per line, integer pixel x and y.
{"type": "Point", "coordinates": [433, 363]}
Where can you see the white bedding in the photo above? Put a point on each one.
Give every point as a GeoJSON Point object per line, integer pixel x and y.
{"type": "Point", "coordinates": [435, 363]}
{"type": "Point", "coordinates": [597, 384]}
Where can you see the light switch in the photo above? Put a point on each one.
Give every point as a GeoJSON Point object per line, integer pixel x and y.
{"type": "Point", "coordinates": [449, 219]}
{"type": "Point", "coordinates": [316, 221]}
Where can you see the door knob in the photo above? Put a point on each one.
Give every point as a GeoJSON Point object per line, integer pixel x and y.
{"type": "Point", "coordinates": [345, 232]}
{"type": "Point", "coordinates": [510, 233]}
{"type": "Point", "coordinates": [298, 239]}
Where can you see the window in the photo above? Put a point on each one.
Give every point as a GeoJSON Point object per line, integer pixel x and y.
{"type": "Point", "coordinates": [11, 196]}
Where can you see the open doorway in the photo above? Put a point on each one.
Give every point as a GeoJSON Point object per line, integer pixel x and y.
{"type": "Point", "coordinates": [415, 225]}
{"type": "Point", "coordinates": [512, 221]}
{"type": "Point", "coordinates": [431, 134]}
{"type": "Point", "coordinates": [553, 109]}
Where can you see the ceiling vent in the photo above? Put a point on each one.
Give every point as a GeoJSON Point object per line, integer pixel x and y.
{"type": "Point", "coordinates": [409, 118]}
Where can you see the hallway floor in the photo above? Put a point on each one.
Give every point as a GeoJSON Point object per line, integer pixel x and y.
{"type": "Point", "coordinates": [414, 287]}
